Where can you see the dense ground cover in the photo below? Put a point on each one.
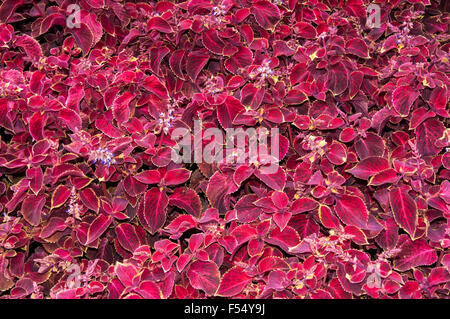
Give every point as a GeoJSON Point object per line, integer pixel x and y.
{"type": "Point", "coordinates": [94, 205]}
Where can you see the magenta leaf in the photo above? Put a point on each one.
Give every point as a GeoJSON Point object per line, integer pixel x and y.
{"type": "Point", "coordinates": [204, 275]}
{"type": "Point", "coordinates": [186, 199]}
{"type": "Point", "coordinates": [32, 208]}
{"type": "Point", "coordinates": [413, 254]}
{"type": "Point", "coordinates": [402, 99]}
{"type": "Point", "coordinates": [97, 228]}
{"type": "Point", "coordinates": [154, 211]}
{"type": "Point", "coordinates": [233, 282]}
{"type": "Point", "coordinates": [352, 211]}
{"type": "Point", "coordinates": [404, 210]}
{"type": "Point", "coordinates": [266, 13]}
{"type": "Point", "coordinates": [369, 166]}
{"type": "Point", "coordinates": [357, 47]}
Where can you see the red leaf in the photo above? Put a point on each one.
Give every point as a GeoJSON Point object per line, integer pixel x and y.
{"type": "Point", "coordinates": [218, 187]}
{"type": "Point", "coordinates": [252, 96]}
{"type": "Point", "coordinates": [204, 275]}
{"type": "Point", "coordinates": [403, 98]}
{"type": "Point", "coordinates": [388, 176]}
{"type": "Point", "coordinates": [155, 207]}
{"type": "Point", "coordinates": [356, 79]}
{"type": "Point", "coordinates": [243, 233]}
{"type": "Point", "coordinates": [154, 85]}
{"type": "Point", "coordinates": [388, 237]}
{"type": "Point", "coordinates": [175, 63]}
{"type": "Point", "coordinates": [438, 98]}
{"type": "Point", "coordinates": [304, 225]}
{"type": "Point", "coordinates": [276, 180]}
{"type": "Point", "coordinates": [67, 294]}
{"type": "Point", "coordinates": [127, 236]}
{"type": "Point", "coordinates": [98, 227]}
{"type": "Point", "coordinates": [32, 208]}
{"type": "Point", "coordinates": [227, 111]}
{"type": "Point", "coordinates": [305, 30]}
{"type": "Point", "coordinates": [279, 199]}
{"type": "Point", "coordinates": [76, 94]}
{"type": "Point", "coordinates": [36, 82]}
{"type": "Point", "coordinates": [328, 219]}
{"type": "Point", "coordinates": [274, 115]}
{"type": "Point", "coordinates": [355, 8]}
{"type": "Point", "coordinates": [149, 290]}
{"type": "Point", "coordinates": [212, 42]}
{"type": "Point", "coordinates": [181, 224]}
{"type": "Point", "coordinates": [369, 166]}
{"type": "Point", "coordinates": [246, 210]}
{"type": "Point", "coordinates": [157, 55]}
{"type": "Point", "coordinates": [359, 237]}
{"type": "Point", "coordinates": [438, 276]}
{"type": "Point", "coordinates": [298, 73]}
{"type": "Point", "coordinates": [71, 118]}
{"type": "Point", "coordinates": [266, 14]}
{"type": "Point", "coordinates": [389, 44]}
{"type": "Point", "coordinates": [31, 47]}
{"type": "Point", "coordinates": [418, 116]}
{"type": "Point", "coordinates": [121, 108]}
{"type": "Point", "coordinates": [277, 280]}
{"type": "Point", "coordinates": [197, 61]}
{"type": "Point", "coordinates": [404, 209]}
{"type": "Point", "coordinates": [84, 37]}
{"type": "Point", "coordinates": [266, 203]}
{"type": "Point", "coordinates": [413, 254]}
{"type": "Point", "coordinates": [242, 173]}
{"type": "Point", "coordinates": [337, 80]}
{"type": "Point", "coordinates": [240, 60]}
{"type": "Point", "coordinates": [7, 8]}
{"type": "Point", "coordinates": [281, 219]}
{"type": "Point", "coordinates": [107, 128]}
{"type": "Point", "coordinates": [281, 48]}
{"type": "Point", "coordinates": [36, 179]}
{"type": "Point", "coordinates": [55, 224]}
{"type": "Point", "coordinates": [357, 47]}
{"type": "Point", "coordinates": [352, 211]}
{"type": "Point", "coordinates": [159, 24]}
{"type": "Point", "coordinates": [176, 176]}
{"type": "Point", "coordinates": [233, 282]}
{"type": "Point", "coordinates": [427, 134]}
{"type": "Point", "coordinates": [60, 195]}
{"type": "Point", "coordinates": [97, 4]}
{"type": "Point", "coordinates": [133, 187]}
{"type": "Point", "coordinates": [303, 205]}
{"type": "Point", "coordinates": [286, 239]}
{"type": "Point", "coordinates": [295, 97]}
{"type": "Point", "coordinates": [127, 274]}
{"type": "Point", "coordinates": [94, 26]}
{"type": "Point", "coordinates": [90, 199]}
{"type": "Point", "coordinates": [337, 153]}
{"type": "Point", "coordinates": [372, 145]}
{"type": "Point", "coordinates": [271, 263]}
{"type": "Point", "coordinates": [187, 199]}
{"type": "Point", "coordinates": [149, 177]}
{"type": "Point", "coordinates": [163, 157]}
{"type": "Point", "coordinates": [182, 261]}
{"type": "Point", "coordinates": [37, 123]}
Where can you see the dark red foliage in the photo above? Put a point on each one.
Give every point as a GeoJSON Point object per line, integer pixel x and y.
{"type": "Point", "coordinates": [94, 206]}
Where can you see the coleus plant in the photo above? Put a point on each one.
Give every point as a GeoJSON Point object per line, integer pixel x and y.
{"type": "Point", "coordinates": [94, 206]}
